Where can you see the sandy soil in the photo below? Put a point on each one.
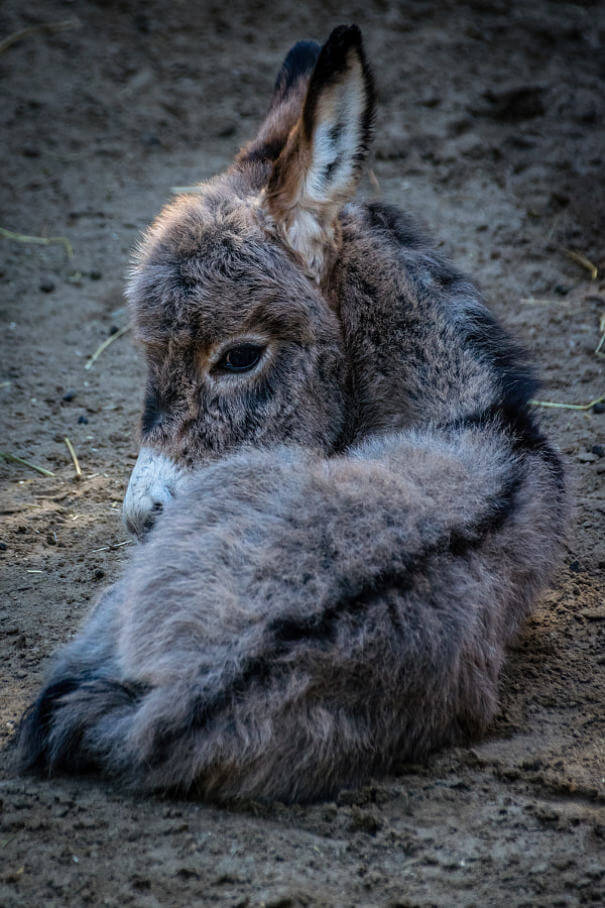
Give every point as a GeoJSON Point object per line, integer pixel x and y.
{"type": "Point", "coordinates": [490, 129]}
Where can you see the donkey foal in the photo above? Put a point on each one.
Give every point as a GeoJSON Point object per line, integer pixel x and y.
{"type": "Point", "coordinates": [373, 511]}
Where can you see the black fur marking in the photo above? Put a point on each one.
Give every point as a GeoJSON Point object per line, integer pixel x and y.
{"type": "Point", "coordinates": [389, 219]}
{"type": "Point", "coordinates": [152, 410]}
{"type": "Point", "coordinates": [525, 435]}
{"type": "Point", "coordinates": [299, 62]}
{"type": "Point", "coordinates": [36, 725]}
{"type": "Point", "coordinates": [268, 151]}
{"type": "Point", "coordinates": [330, 168]}
{"type": "Point", "coordinates": [517, 380]}
{"type": "Point", "coordinates": [336, 132]}
{"type": "Point", "coordinates": [36, 722]}
{"type": "Point", "coordinates": [518, 384]}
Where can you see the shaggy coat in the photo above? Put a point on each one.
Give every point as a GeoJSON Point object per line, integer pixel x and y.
{"type": "Point", "coordinates": [373, 511]}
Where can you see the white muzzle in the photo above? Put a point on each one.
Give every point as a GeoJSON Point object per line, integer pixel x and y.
{"type": "Point", "coordinates": [153, 482]}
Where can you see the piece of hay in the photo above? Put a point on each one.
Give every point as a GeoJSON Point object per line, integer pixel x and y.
{"type": "Point", "coordinates": [41, 27]}
{"type": "Point", "coordinates": [39, 240]}
{"type": "Point", "coordinates": [72, 453]}
{"type": "Point", "coordinates": [584, 262]}
{"type": "Point", "coordinates": [552, 403]}
{"type": "Point", "coordinates": [12, 458]}
{"type": "Point", "coordinates": [602, 341]}
{"type": "Point", "coordinates": [105, 345]}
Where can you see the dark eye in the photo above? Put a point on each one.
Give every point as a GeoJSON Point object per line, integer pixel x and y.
{"type": "Point", "coordinates": [241, 359]}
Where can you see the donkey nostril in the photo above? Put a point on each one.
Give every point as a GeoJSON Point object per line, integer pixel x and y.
{"type": "Point", "coordinates": [158, 507]}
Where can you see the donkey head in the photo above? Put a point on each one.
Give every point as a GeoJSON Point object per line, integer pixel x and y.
{"type": "Point", "coordinates": [230, 292]}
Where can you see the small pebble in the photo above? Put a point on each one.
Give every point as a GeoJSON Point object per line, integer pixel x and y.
{"type": "Point", "coordinates": [69, 395]}
{"type": "Point", "coordinates": [99, 574]}
{"type": "Point", "coordinates": [113, 330]}
{"type": "Point", "coordinates": [585, 457]}
{"type": "Point", "coordinates": [598, 408]}
{"type": "Point", "coordinates": [574, 567]}
{"type": "Point", "coordinates": [47, 286]}
{"type": "Point", "coordinates": [95, 275]}
{"type": "Point", "coordinates": [82, 420]}
{"type": "Point", "coordinates": [3, 546]}
{"type": "Point", "coordinates": [599, 450]}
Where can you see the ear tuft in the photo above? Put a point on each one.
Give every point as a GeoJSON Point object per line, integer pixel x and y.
{"type": "Point", "coordinates": [319, 168]}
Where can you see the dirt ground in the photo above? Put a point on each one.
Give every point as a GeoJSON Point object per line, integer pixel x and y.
{"type": "Point", "coordinates": [491, 130]}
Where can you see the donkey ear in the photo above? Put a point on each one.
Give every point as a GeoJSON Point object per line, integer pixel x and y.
{"type": "Point", "coordinates": [319, 167]}
{"type": "Point", "coordinates": [286, 104]}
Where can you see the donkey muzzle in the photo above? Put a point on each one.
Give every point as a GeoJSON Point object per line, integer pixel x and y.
{"type": "Point", "coordinates": [152, 485]}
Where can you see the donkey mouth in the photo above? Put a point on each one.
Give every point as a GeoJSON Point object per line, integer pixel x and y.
{"type": "Point", "coordinates": [141, 526]}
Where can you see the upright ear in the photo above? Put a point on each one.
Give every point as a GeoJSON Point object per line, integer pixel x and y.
{"type": "Point", "coordinates": [286, 104]}
{"type": "Point", "coordinates": [320, 165]}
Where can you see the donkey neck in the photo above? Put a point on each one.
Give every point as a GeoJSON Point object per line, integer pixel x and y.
{"type": "Point", "coordinates": [422, 347]}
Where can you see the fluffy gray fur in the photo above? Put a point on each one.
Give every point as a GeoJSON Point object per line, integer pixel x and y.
{"type": "Point", "coordinates": [307, 614]}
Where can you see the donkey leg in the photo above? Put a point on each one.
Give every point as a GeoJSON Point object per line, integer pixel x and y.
{"type": "Point", "coordinates": [84, 667]}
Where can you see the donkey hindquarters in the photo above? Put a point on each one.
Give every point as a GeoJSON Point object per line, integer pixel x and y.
{"type": "Point", "coordinates": [298, 624]}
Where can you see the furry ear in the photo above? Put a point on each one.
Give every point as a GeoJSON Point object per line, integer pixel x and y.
{"type": "Point", "coordinates": [286, 104]}
{"type": "Point", "coordinates": [298, 64]}
{"type": "Point", "coordinates": [319, 167]}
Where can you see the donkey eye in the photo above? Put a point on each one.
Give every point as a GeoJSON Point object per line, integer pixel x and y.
{"type": "Point", "coordinates": [241, 359]}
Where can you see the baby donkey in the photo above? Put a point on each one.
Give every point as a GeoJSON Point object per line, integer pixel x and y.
{"type": "Point", "coordinates": [373, 510]}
